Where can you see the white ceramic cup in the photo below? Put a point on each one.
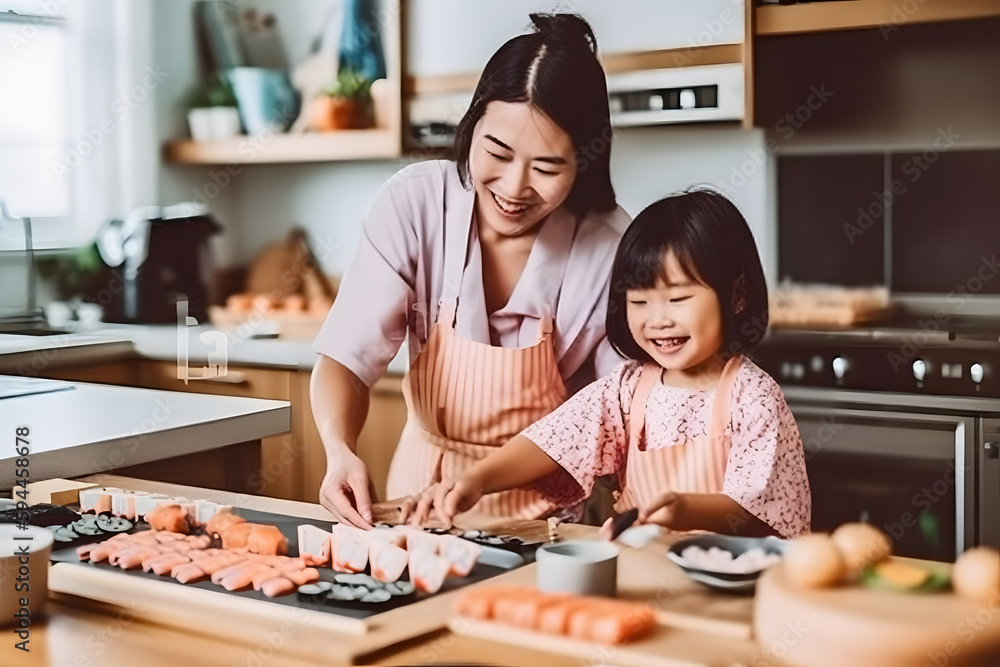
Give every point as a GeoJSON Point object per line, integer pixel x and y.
{"type": "Point", "coordinates": [583, 567]}
{"type": "Point", "coordinates": [24, 574]}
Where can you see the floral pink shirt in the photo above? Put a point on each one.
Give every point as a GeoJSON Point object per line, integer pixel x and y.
{"type": "Point", "coordinates": [765, 473]}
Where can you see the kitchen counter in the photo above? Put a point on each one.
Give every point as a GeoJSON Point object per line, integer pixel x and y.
{"type": "Point", "coordinates": [20, 354]}
{"type": "Point", "coordinates": [82, 631]}
{"type": "Point", "coordinates": [86, 428]}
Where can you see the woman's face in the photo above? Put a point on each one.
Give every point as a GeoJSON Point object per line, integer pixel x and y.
{"type": "Point", "coordinates": [523, 166]}
{"type": "Point", "coordinates": [678, 322]}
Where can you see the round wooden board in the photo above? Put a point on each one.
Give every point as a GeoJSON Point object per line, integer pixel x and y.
{"type": "Point", "coordinates": [860, 627]}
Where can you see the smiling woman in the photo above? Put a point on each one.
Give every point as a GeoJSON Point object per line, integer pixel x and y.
{"type": "Point", "coordinates": [494, 268]}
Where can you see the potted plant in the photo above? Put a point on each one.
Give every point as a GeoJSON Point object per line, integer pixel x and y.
{"type": "Point", "coordinates": [347, 104]}
{"type": "Point", "coordinates": [212, 113]}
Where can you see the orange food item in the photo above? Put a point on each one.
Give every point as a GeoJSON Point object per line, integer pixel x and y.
{"type": "Point", "coordinates": [220, 521]}
{"type": "Point", "coordinates": [588, 618]}
{"type": "Point", "coordinates": [235, 535]}
{"type": "Point", "coordinates": [277, 586]}
{"type": "Point", "coordinates": [169, 517]}
{"type": "Point", "coordinates": [266, 540]}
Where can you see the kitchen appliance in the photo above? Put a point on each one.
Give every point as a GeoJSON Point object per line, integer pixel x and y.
{"type": "Point", "coordinates": [901, 428]}
{"type": "Point", "coordinates": [162, 257]}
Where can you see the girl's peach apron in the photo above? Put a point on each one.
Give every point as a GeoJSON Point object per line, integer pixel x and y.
{"type": "Point", "coordinates": [464, 398]}
{"type": "Point", "coordinates": [696, 466]}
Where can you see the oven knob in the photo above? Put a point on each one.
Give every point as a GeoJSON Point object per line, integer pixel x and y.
{"type": "Point", "coordinates": [976, 373]}
{"type": "Point", "coordinates": [816, 363]}
{"type": "Point", "coordinates": [839, 367]}
{"type": "Point", "coordinates": [919, 370]}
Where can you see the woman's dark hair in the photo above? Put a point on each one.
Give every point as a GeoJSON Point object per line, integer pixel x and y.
{"type": "Point", "coordinates": [714, 246]}
{"type": "Point", "coordinates": [555, 69]}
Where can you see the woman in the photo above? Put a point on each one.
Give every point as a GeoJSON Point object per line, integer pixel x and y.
{"type": "Point", "coordinates": [495, 270]}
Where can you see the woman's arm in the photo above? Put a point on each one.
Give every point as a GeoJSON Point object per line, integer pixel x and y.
{"type": "Point", "coordinates": [340, 405]}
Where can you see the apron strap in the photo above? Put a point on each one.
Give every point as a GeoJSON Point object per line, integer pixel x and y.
{"type": "Point", "coordinates": [456, 255]}
{"type": "Point", "coordinates": [648, 377]}
{"type": "Point", "coordinates": [723, 395]}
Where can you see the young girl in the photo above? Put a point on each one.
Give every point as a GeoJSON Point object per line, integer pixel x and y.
{"type": "Point", "coordinates": [697, 435]}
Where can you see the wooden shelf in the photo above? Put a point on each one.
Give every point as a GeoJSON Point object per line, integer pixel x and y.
{"type": "Point", "coordinates": [373, 144]}
{"type": "Point", "coordinates": [864, 14]}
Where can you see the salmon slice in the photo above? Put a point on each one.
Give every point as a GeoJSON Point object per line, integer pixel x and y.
{"type": "Point", "coordinates": [478, 602]}
{"type": "Point", "coordinates": [198, 541]}
{"type": "Point", "coordinates": [427, 570]}
{"type": "Point", "coordinates": [314, 544]}
{"type": "Point", "coordinates": [224, 572]}
{"type": "Point", "coordinates": [167, 537]}
{"type": "Point", "coordinates": [242, 575]}
{"type": "Point", "coordinates": [272, 588]}
{"type": "Point", "coordinates": [262, 575]}
{"type": "Point", "coordinates": [83, 551]}
{"type": "Point", "coordinates": [306, 575]}
{"type": "Point", "coordinates": [168, 516]}
{"type": "Point", "coordinates": [133, 557]}
{"type": "Point", "coordinates": [187, 572]}
{"type": "Point", "coordinates": [166, 562]}
{"type": "Point", "coordinates": [621, 623]}
{"type": "Point", "coordinates": [462, 554]}
{"type": "Point", "coordinates": [387, 560]}
{"type": "Point", "coordinates": [100, 552]}
{"type": "Point", "coordinates": [555, 618]}
{"type": "Point", "coordinates": [267, 540]}
{"type": "Point", "coordinates": [349, 548]}
{"type": "Point", "coordinates": [510, 606]}
{"type": "Point", "coordinates": [216, 563]}
{"type": "Point", "coordinates": [222, 520]}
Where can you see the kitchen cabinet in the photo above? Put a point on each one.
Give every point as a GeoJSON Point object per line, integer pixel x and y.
{"type": "Point", "coordinates": [865, 14]}
{"type": "Point", "coordinates": [291, 465]}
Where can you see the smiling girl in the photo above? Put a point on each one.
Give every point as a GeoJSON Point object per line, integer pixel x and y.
{"type": "Point", "coordinates": [697, 435]}
{"type": "Point", "coordinates": [494, 268]}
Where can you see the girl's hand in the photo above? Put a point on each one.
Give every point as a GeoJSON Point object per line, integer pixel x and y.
{"type": "Point", "coordinates": [416, 509]}
{"type": "Point", "coordinates": [447, 499]}
{"type": "Point", "coordinates": [666, 510]}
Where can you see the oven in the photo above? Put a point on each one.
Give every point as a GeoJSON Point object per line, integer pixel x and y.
{"type": "Point", "coordinates": [923, 467]}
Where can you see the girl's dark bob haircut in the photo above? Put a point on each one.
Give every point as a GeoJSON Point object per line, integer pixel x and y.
{"type": "Point", "coordinates": [713, 244]}
{"type": "Point", "coordinates": [554, 69]}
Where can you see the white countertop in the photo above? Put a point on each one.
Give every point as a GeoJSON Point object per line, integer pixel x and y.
{"type": "Point", "coordinates": [20, 354]}
{"type": "Point", "coordinates": [91, 428]}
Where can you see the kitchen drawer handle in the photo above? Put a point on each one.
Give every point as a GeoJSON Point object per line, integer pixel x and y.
{"type": "Point", "coordinates": [231, 377]}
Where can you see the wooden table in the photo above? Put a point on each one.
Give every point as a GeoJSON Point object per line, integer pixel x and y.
{"type": "Point", "coordinates": [83, 633]}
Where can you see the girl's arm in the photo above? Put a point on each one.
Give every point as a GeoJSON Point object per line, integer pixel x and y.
{"type": "Point", "coordinates": [715, 512]}
{"type": "Point", "coordinates": [519, 463]}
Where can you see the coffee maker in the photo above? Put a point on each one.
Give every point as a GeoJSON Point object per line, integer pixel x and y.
{"type": "Point", "coordinates": [158, 256]}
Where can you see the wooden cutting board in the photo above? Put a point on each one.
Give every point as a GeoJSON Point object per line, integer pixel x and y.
{"type": "Point", "coordinates": [860, 627]}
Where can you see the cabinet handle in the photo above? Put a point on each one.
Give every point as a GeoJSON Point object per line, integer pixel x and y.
{"type": "Point", "coordinates": [231, 377]}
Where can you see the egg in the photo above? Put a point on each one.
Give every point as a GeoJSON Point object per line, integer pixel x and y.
{"type": "Point", "coordinates": [976, 574]}
{"type": "Point", "coordinates": [814, 561]}
{"type": "Point", "coordinates": [861, 545]}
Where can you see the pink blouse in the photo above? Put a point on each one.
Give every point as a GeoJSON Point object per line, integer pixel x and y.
{"type": "Point", "coordinates": [765, 473]}
{"type": "Point", "coordinates": [391, 291]}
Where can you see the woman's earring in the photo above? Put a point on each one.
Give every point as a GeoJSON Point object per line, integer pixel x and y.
{"type": "Point", "coordinates": [739, 294]}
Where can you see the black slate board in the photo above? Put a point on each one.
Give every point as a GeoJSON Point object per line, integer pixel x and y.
{"type": "Point", "coordinates": [287, 525]}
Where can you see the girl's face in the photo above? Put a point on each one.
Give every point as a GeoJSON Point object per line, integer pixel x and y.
{"type": "Point", "coordinates": [523, 166]}
{"type": "Point", "coordinates": [679, 324]}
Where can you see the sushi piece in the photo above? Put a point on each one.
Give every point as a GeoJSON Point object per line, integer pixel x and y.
{"type": "Point", "coordinates": [169, 517]}
{"type": "Point", "coordinates": [314, 544]}
{"type": "Point", "coordinates": [187, 572]}
{"type": "Point", "coordinates": [206, 509]}
{"type": "Point", "coordinates": [387, 560]}
{"type": "Point", "coordinates": [349, 548]}
{"type": "Point", "coordinates": [427, 570]}
{"type": "Point", "coordinates": [221, 520]}
{"type": "Point", "coordinates": [235, 535]}
{"type": "Point", "coordinates": [145, 504]}
{"type": "Point", "coordinates": [267, 540]}
{"type": "Point", "coordinates": [273, 588]}
{"type": "Point", "coordinates": [123, 503]}
{"type": "Point", "coordinates": [462, 554]}
{"type": "Point", "coordinates": [97, 500]}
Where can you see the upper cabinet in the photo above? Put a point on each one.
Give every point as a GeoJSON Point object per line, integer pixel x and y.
{"type": "Point", "coordinates": [667, 61]}
{"type": "Point", "coordinates": [885, 15]}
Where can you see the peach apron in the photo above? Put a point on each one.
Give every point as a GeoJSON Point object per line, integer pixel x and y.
{"type": "Point", "coordinates": [464, 398]}
{"type": "Point", "coordinates": [697, 466]}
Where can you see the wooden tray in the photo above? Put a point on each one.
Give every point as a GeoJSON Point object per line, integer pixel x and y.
{"type": "Point", "coordinates": [341, 631]}
{"type": "Point", "coordinates": [860, 627]}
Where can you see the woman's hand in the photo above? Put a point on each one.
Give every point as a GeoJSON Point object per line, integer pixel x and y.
{"type": "Point", "coordinates": [667, 510]}
{"type": "Point", "coordinates": [344, 491]}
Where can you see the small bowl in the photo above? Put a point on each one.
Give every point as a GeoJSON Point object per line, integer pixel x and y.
{"type": "Point", "coordinates": [725, 581]}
